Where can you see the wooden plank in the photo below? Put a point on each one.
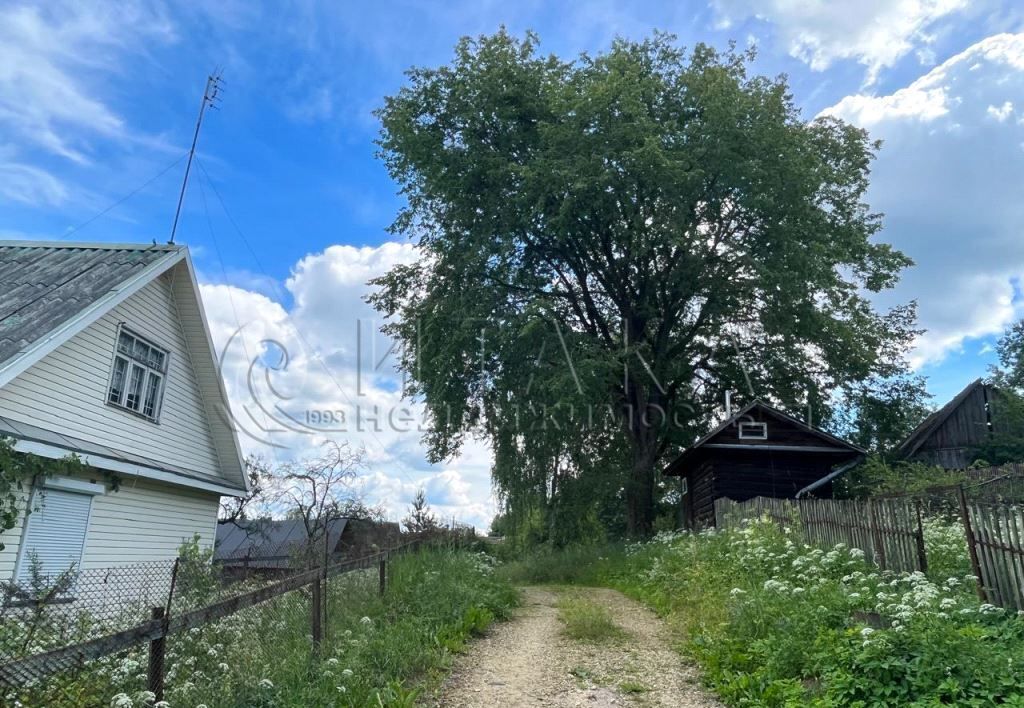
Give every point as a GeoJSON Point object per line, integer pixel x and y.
{"type": "Point", "coordinates": [16, 673]}
{"type": "Point", "coordinates": [1016, 558]}
{"type": "Point", "coordinates": [988, 564]}
{"type": "Point", "coordinates": [1013, 556]}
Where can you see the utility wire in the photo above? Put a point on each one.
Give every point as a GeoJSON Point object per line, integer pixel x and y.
{"type": "Point", "coordinates": [305, 343]}
{"type": "Point", "coordinates": [128, 196]}
{"type": "Point", "coordinates": [231, 298]}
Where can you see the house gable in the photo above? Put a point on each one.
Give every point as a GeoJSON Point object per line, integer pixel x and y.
{"type": "Point", "coordinates": [59, 400]}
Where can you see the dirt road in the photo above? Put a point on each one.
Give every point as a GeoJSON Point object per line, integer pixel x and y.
{"type": "Point", "coordinates": [528, 662]}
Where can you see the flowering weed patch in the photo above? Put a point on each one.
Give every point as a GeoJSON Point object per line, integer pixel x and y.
{"type": "Point", "coordinates": [376, 651]}
{"type": "Point", "coordinates": [778, 623]}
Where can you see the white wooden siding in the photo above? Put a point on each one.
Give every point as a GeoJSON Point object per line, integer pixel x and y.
{"type": "Point", "coordinates": [12, 541]}
{"type": "Point", "coordinates": [66, 390]}
{"type": "Point", "coordinates": [142, 521]}
{"type": "Point", "coordinates": [147, 521]}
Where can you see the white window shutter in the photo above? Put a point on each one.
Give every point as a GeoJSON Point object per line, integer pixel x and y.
{"type": "Point", "coordinates": [56, 532]}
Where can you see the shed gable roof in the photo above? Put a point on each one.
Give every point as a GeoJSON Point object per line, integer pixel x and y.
{"type": "Point", "coordinates": [931, 423]}
{"type": "Point", "coordinates": [818, 440]}
{"type": "Point", "coordinates": [269, 543]}
{"type": "Point", "coordinates": [52, 290]}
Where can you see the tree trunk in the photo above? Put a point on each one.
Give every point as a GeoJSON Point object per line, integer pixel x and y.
{"type": "Point", "coordinates": [640, 490]}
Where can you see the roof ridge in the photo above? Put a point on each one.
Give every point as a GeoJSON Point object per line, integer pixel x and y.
{"type": "Point", "coordinates": [99, 245]}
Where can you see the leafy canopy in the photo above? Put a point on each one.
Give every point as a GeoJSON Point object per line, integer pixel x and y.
{"type": "Point", "coordinates": [635, 232]}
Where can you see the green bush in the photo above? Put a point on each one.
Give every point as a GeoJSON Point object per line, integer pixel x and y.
{"type": "Point", "coordinates": [777, 623]}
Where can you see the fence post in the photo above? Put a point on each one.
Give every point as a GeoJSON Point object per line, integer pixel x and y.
{"type": "Point", "coordinates": [156, 659]}
{"type": "Point", "coordinates": [922, 557]}
{"type": "Point", "coordinates": [315, 612]}
{"type": "Point", "coordinates": [876, 534]}
{"type": "Point", "coordinates": [972, 549]}
{"type": "Point", "coordinates": [382, 569]}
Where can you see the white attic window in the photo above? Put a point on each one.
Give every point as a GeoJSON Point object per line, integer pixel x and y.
{"type": "Point", "coordinates": [749, 430]}
{"type": "Point", "coordinates": [138, 374]}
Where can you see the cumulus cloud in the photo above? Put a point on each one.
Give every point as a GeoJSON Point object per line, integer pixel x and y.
{"type": "Point", "coordinates": [319, 369]}
{"type": "Point", "coordinates": [948, 180]}
{"type": "Point", "coordinates": [876, 33]}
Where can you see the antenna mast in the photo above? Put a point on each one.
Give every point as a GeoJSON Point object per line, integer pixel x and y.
{"type": "Point", "coordinates": [210, 97]}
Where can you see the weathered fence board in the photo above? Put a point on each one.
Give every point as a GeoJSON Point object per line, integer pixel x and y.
{"type": "Point", "coordinates": [998, 552]}
{"type": "Point", "coordinates": [887, 530]}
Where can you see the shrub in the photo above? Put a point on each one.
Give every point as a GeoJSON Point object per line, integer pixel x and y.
{"type": "Point", "coordinates": [775, 622]}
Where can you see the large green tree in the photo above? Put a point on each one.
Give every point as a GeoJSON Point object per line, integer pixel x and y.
{"type": "Point", "coordinates": [878, 414]}
{"type": "Point", "coordinates": [632, 233]}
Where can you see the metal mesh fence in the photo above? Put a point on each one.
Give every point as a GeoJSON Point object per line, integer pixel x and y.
{"type": "Point", "coordinates": [40, 612]}
{"type": "Point", "coordinates": [174, 627]}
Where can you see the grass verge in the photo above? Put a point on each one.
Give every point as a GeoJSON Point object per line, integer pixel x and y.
{"type": "Point", "coordinates": [378, 651]}
{"type": "Point", "coordinates": [586, 621]}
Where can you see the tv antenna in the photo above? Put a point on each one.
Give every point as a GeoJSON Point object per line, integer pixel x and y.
{"type": "Point", "coordinates": [211, 96]}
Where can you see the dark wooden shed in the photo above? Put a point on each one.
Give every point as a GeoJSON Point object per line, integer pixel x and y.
{"type": "Point", "coordinates": [759, 451]}
{"type": "Point", "coordinates": [949, 436]}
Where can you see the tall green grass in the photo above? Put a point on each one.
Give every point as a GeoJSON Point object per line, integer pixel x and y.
{"type": "Point", "coordinates": [586, 621]}
{"type": "Point", "coordinates": [377, 651]}
{"type": "Point", "coordinates": [777, 623]}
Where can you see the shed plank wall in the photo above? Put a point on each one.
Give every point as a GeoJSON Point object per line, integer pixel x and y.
{"type": "Point", "coordinates": [701, 486]}
{"type": "Point", "coordinates": [768, 475]}
{"type": "Point", "coordinates": [966, 425]}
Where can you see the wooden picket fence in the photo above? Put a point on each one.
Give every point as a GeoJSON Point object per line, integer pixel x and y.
{"type": "Point", "coordinates": [891, 534]}
{"type": "Point", "coordinates": [995, 539]}
{"type": "Point", "coordinates": [730, 514]}
{"type": "Point", "coordinates": [889, 531]}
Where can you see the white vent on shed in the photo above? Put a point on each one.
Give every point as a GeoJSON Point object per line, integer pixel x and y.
{"type": "Point", "coordinates": [753, 431]}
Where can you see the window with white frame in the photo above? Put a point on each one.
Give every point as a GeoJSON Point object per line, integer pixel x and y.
{"type": "Point", "coordinates": [137, 380]}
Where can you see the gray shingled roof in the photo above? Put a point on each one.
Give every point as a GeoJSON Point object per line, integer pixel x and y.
{"type": "Point", "coordinates": [44, 285]}
{"type": "Point", "coordinates": [268, 543]}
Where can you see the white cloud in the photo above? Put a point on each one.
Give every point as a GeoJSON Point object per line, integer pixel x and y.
{"type": "Point", "coordinates": [876, 33]}
{"type": "Point", "coordinates": [948, 179]}
{"type": "Point", "coordinates": [45, 59]}
{"type": "Point", "coordinates": [52, 58]}
{"type": "Point", "coordinates": [1001, 113]}
{"type": "Point", "coordinates": [30, 185]}
{"type": "Point", "coordinates": [324, 371]}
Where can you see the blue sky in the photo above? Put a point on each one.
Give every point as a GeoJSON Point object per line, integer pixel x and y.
{"type": "Point", "coordinates": [95, 100]}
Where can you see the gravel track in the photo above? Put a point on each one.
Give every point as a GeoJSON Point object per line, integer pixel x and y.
{"type": "Point", "coordinates": [528, 662]}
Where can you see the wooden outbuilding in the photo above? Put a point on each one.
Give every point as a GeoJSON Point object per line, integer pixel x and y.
{"type": "Point", "coordinates": [758, 451]}
{"type": "Point", "coordinates": [949, 436]}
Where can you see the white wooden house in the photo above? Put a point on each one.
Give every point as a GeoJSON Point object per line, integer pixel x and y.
{"type": "Point", "coordinates": [105, 353]}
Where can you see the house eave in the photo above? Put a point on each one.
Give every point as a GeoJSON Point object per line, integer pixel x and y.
{"type": "Point", "coordinates": [126, 467]}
